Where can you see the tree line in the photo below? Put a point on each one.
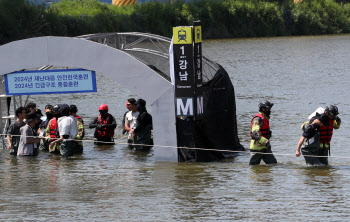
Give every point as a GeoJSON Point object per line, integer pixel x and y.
{"type": "Point", "coordinates": [20, 19]}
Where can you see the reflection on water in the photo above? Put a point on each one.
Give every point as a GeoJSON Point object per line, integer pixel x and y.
{"type": "Point", "coordinates": [114, 183]}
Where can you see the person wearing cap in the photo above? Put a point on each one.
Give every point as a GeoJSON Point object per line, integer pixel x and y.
{"type": "Point", "coordinates": [13, 132]}
{"type": "Point", "coordinates": [260, 146]}
{"type": "Point", "coordinates": [68, 130]}
{"type": "Point", "coordinates": [130, 121]}
{"type": "Point", "coordinates": [309, 142]}
{"type": "Point", "coordinates": [73, 109]}
{"type": "Point", "coordinates": [104, 125]}
{"type": "Point", "coordinates": [143, 128]}
{"type": "Point", "coordinates": [52, 133]}
{"type": "Point", "coordinates": [28, 142]}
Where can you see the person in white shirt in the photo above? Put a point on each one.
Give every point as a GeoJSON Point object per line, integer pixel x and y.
{"type": "Point", "coordinates": [68, 130]}
{"type": "Point", "coordinates": [130, 122]}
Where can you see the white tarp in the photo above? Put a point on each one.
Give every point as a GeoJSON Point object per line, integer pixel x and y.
{"type": "Point", "coordinates": [116, 64]}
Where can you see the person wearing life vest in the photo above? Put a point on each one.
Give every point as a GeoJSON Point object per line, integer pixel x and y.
{"type": "Point", "coordinates": [309, 143]}
{"type": "Point", "coordinates": [73, 109]}
{"type": "Point", "coordinates": [104, 125]}
{"type": "Point", "coordinates": [52, 133]}
{"type": "Point", "coordinates": [326, 132]}
{"type": "Point", "coordinates": [260, 134]}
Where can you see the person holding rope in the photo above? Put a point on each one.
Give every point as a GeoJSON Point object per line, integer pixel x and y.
{"type": "Point", "coordinates": [13, 132]}
{"type": "Point", "coordinates": [104, 125]}
{"type": "Point", "coordinates": [73, 109]}
{"type": "Point", "coordinates": [260, 146]}
{"type": "Point", "coordinates": [68, 130]}
{"type": "Point", "coordinates": [28, 144]}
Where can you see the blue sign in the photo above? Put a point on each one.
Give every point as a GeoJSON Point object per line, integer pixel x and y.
{"type": "Point", "coordinates": [50, 82]}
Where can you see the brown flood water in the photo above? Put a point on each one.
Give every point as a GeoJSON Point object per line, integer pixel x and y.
{"type": "Point", "coordinates": [113, 183]}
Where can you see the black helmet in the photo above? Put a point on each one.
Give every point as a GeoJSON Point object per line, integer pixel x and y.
{"type": "Point", "coordinates": [73, 108]}
{"type": "Point", "coordinates": [332, 109]}
{"type": "Point", "coordinates": [64, 107]}
{"type": "Point", "coordinates": [265, 104]}
{"type": "Point", "coordinates": [56, 108]}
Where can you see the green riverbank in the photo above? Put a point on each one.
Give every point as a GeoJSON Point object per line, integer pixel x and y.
{"type": "Point", "coordinates": [220, 18]}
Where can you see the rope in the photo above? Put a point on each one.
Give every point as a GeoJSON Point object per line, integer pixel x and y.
{"type": "Point", "coordinates": [189, 148]}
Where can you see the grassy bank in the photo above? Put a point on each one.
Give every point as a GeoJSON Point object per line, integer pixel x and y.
{"type": "Point", "coordinates": [220, 18]}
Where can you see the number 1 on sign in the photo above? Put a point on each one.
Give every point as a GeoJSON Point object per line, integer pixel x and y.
{"type": "Point", "coordinates": [183, 50]}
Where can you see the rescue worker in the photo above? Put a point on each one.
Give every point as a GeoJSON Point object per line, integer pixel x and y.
{"type": "Point", "coordinates": [13, 132]}
{"type": "Point", "coordinates": [143, 128]}
{"type": "Point", "coordinates": [52, 133]}
{"type": "Point", "coordinates": [104, 126]}
{"type": "Point", "coordinates": [326, 132]}
{"type": "Point", "coordinates": [309, 142]}
{"type": "Point", "coordinates": [68, 130]}
{"type": "Point", "coordinates": [73, 109]}
{"type": "Point", "coordinates": [260, 133]}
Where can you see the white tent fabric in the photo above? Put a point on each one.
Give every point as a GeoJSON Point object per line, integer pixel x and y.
{"type": "Point", "coordinates": [117, 65]}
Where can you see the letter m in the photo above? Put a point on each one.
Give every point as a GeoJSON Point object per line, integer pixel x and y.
{"type": "Point", "coordinates": [200, 105]}
{"type": "Point", "coordinates": [184, 110]}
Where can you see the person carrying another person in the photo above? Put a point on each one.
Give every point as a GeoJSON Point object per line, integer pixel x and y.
{"type": "Point", "coordinates": [309, 142]}
{"type": "Point", "coordinates": [260, 146]}
{"type": "Point", "coordinates": [28, 144]}
{"type": "Point", "coordinates": [52, 133]}
{"type": "Point", "coordinates": [104, 125]}
{"type": "Point", "coordinates": [130, 121]}
{"type": "Point", "coordinates": [143, 128]}
{"type": "Point", "coordinates": [68, 130]}
{"type": "Point", "coordinates": [326, 131]}
{"type": "Point", "coordinates": [13, 132]}
{"type": "Point", "coordinates": [128, 106]}
{"type": "Point", "coordinates": [73, 109]}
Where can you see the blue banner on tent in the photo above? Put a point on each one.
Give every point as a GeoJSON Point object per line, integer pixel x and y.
{"type": "Point", "coordinates": [50, 82]}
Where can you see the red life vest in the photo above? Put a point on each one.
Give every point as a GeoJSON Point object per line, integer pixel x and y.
{"type": "Point", "coordinates": [326, 132]}
{"type": "Point", "coordinates": [104, 132]}
{"type": "Point", "coordinates": [265, 127]}
{"type": "Point", "coordinates": [53, 128]}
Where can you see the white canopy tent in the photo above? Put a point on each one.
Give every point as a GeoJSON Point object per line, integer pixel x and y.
{"type": "Point", "coordinates": [116, 64]}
